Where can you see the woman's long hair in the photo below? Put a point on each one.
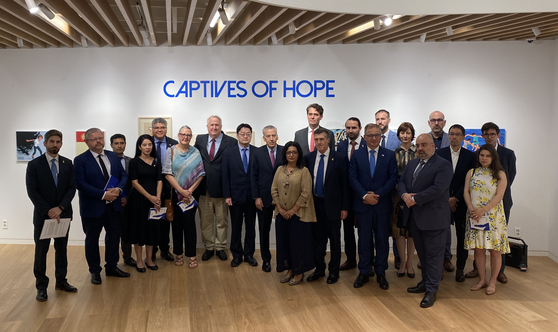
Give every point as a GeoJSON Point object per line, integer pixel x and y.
{"type": "Point", "coordinates": [495, 166]}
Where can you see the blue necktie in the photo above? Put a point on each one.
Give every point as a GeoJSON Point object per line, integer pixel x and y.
{"type": "Point", "coordinates": [319, 190]}
{"type": "Point", "coordinates": [54, 171]}
{"type": "Point", "coordinates": [245, 160]}
{"type": "Point", "coordinates": [372, 163]}
{"type": "Point", "coordinates": [159, 150]}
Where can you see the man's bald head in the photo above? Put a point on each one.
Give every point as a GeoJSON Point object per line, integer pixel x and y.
{"type": "Point", "coordinates": [425, 146]}
{"type": "Point", "coordinates": [436, 122]}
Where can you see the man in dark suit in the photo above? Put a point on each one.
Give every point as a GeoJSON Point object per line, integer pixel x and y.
{"type": "Point", "coordinates": [462, 161]}
{"type": "Point", "coordinates": [212, 207]}
{"type": "Point", "coordinates": [328, 170]}
{"type": "Point", "coordinates": [491, 135]}
{"type": "Point", "coordinates": [424, 187]}
{"type": "Point", "coordinates": [162, 143]}
{"type": "Point", "coordinates": [266, 160]}
{"type": "Point", "coordinates": [373, 175]}
{"type": "Point", "coordinates": [236, 168]}
{"type": "Point", "coordinates": [305, 136]}
{"type": "Point", "coordinates": [99, 204]}
{"type": "Point", "coordinates": [51, 186]}
{"type": "Point", "coordinates": [347, 147]}
{"type": "Point", "coordinates": [118, 146]}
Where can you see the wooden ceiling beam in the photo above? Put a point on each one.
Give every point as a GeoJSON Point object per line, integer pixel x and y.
{"type": "Point", "coordinates": [248, 15]}
{"type": "Point", "coordinates": [7, 40]}
{"type": "Point", "coordinates": [289, 16]}
{"type": "Point", "coordinates": [401, 24]}
{"type": "Point", "coordinates": [233, 11]}
{"type": "Point", "coordinates": [35, 21]}
{"type": "Point", "coordinates": [146, 8]}
{"type": "Point", "coordinates": [190, 9]}
{"type": "Point", "coordinates": [520, 30]}
{"type": "Point", "coordinates": [126, 11]}
{"type": "Point", "coordinates": [475, 24]}
{"type": "Point", "coordinates": [210, 11]}
{"type": "Point", "coordinates": [82, 8]}
{"type": "Point", "coordinates": [347, 18]}
{"type": "Point", "coordinates": [548, 33]}
{"type": "Point", "coordinates": [341, 29]}
{"type": "Point", "coordinates": [21, 34]}
{"type": "Point", "coordinates": [111, 20]}
{"type": "Point", "coordinates": [74, 20]}
{"type": "Point", "coordinates": [266, 18]}
{"type": "Point", "coordinates": [428, 22]}
{"type": "Point", "coordinates": [168, 17]}
{"type": "Point", "coordinates": [23, 26]}
{"type": "Point", "coordinates": [299, 23]}
{"type": "Point", "coordinates": [315, 24]}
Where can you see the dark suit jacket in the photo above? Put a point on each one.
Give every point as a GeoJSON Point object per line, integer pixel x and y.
{"type": "Point", "coordinates": [301, 137]}
{"type": "Point", "coordinates": [166, 185]}
{"type": "Point", "coordinates": [91, 183]}
{"type": "Point", "coordinates": [236, 182]}
{"type": "Point", "coordinates": [507, 159]}
{"type": "Point", "coordinates": [336, 188]}
{"type": "Point", "coordinates": [467, 160]}
{"type": "Point", "coordinates": [432, 210]}
{"type": "Point", "coordinates": [343, 148]}
{"type": "Point", "coordinates": [43, 192]}
{"type": "Point", "coordinates": [262, 173]}
{"type": "Point", "coordinates": [383, 182]}
{"type": "Point", "coordinates": [212, 182]}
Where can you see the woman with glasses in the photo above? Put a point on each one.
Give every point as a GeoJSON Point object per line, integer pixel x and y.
{"type": "Point", "coordinates": [183, 169]}
{"type": "Point", "coordinates": [294, 211]}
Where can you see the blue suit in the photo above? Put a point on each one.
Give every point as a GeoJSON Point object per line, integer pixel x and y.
{"type": "Point", "coordinates": [95, 212]}
{"type": "Point", "coordinates": [373, 220]}
{"type": "Point", "coordinates": [236, 185]}
{"type": "Point", "coordinates": [430, 218]}
{"type": "Point", "coordinates": [393, 141]}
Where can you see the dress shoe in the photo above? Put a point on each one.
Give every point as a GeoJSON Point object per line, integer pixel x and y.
{"type": "Point", "coordinates": [222, 255]}
{"type": "Point", "coordinates": [428, 300]}
{"type": "Point", "coordinates": [478, 286]}
{"type": "Point", "coordinates": [96, 278]}
{"type": "Point", "coordinates": [315, 275]}
{"type": "Point", "coordinates": [371, 272]}
{"type": "Point", "coordinates": [474, 273]}
{"type": "Point", "coordinates": [361, 280]}
{"type": "Point", "coordinates": [332, 278]}
{"type": "Point", "coordinates": [251, 260]}
{"type": "Point", "coordinates": [236, 262]}
{"type": "Point", "coordinates": [490, 290]}
{"type": "Point", "coordinates": [207, 255]}
{"type": "Point", "coordinates": [459, 276]}
{"type": "Point", "coordinates": [419, 288]}
{"type": "Point", "coordinates": [419, 266]}
{"type": "Point", "coordinates": [116, 272]}
{"type": "Point", "coordinates": [140, 269]}
{"type": "Point", "coordinates": [381, 279]}
{"type": "Point", "coordinates": [294, 282]}
{"type": "Point", "coordinates": [65, 286]}
{"type": "Point", "coordinates": [130, 261]}
{"type": "Point", "coordinates": [347, 265]}
{"type": "Point", "coordinates": [266, 267]}
{"type": "Point", "coordinates": [448, 266]}
{"type": "Point", "coordinates": [152, 267]}
{"type": "Point", "coordinates": [167, 256]}
{"type": "Point", "coordinates": [41, 295]}
{"type": "Point", "coordinates": [397, 262]}
{"type": "Point", "coordinates": [502, 278]}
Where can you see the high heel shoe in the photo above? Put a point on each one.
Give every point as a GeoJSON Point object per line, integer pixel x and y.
{"type": "Point", "coordinates": [296, 282]}
{"type": "Point", "coordinates": [478, 286]}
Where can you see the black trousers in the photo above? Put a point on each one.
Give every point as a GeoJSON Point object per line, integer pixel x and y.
{"type": "Point", "coordinates": [461, 252]}
{"type": "Point", "coordinates": [322, 231]}
{"type": "Point", "coordinates": [92, 227]}
{"type": "Point", "coordinates": [349, 236]}
{"type": "Point", "coordinates": [183, 230]}
{"type": "Point", "coordinates": [265, 218]}
{"type": "Point", "coordinates": [294, 245]}
{"type": "Point", "coordinates": [125, 245]}
{"type": "Point", "coordinates": [243, 214]}
{"type": "Point", "coordinates": [164, 237]}
{"type": "Point", "coordinates": [60, 258]}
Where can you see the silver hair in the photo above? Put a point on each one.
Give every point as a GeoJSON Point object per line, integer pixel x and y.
{"type": "Point", "coordinates": [217, 117]}
{"type": "Point", "coordinates": [91, 131]}
{"type": "Point", "coordinates": [184, 127]}
{"type": "Point", "coordinates": [158, 120]}
{"type": "Point", "coordinates": [268, 127]}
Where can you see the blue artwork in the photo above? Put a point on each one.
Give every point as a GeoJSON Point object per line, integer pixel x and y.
{"type": "Point", "coordinates": [473, 139]}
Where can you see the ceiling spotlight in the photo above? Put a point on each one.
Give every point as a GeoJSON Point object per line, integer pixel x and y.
{"type": "Point", "coordinates": [377, 24]}
{"type": "Point", "coordinates": [536, 31]}
{"type": "Point", "coordinates": [209, 39]}
{"type": "Point", "coordinates": [387, 20]}
{"type": "Point", "coordinates": [449, 31]}
{"type": "Point", "coordinates": [292, 28]}
{"type": "Point", "coordinates": [214, 20]}
{"type": "Point", "coordinates": [33, 8]}
{"type": "Point", "coordinates": [19, 42]}
{"type": "Point", "coordinates": [45, 10]}
{"type": "Point", "coordinates": [422, 38]}
{"type": "Point", "coordinates": [223, 15]}
{"type": "Point", "coordinates": [274, 39]}
{"type": "Point", "coordinates": [83, 41]}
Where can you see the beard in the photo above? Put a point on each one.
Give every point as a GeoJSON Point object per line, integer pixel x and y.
{"type": "Point", "coordinates": [53, 150]}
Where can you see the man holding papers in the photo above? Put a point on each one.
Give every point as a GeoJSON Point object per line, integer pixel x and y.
{"type": "Point", "coordinates": [51, 186]}
{"type": "Point", "coordinates": [99, 203]}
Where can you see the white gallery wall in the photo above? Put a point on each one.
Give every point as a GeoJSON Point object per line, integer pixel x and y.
{"type": "Point", "coordinates": [514, 84]}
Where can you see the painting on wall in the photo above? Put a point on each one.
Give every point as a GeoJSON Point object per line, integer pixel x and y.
{"type": "Point", "coordinates": [144, 125]}
{"type": "Point", "coordinates": [81, 147]}
{"type": "Point", "coordinates": [473, 139]}
{"type": "Point", "coordinates": [29, 145]}
{"type": "Point", "coordinates": [340, 135]}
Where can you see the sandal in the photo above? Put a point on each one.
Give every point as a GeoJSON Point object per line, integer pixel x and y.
{"type": "Point", "coordinates": [193, 263]}
{"type": "Point", "coordinates": [179, 260]}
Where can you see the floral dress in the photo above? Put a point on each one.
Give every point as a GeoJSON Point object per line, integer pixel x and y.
{"type": "Point", "coordinates": [482, 189]}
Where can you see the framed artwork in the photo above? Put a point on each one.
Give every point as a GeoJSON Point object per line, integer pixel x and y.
{"type": "Point", "coordinates": [81, 147]}
{"type": "Point", "coordinates": [29, 145]}
{"type": "Point", "coordinates": [144, 125]}
{"type": "Point", "coordinates": [473, 139]}
{"type": "Point", "coordinates": [340, 135]}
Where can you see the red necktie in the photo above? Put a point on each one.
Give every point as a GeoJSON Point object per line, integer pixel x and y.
{"type": "Point", "coordinates": [353, 143]}
{"type": "Point", "coordinates": [212, 150]}
{"type": "Point", "coordinates": [312, 141]}
{"type": "Point", "coordinates": [272, 157]}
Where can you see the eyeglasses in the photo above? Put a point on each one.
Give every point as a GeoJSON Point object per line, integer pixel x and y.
{"type": "Point", "coordinates": [491, 135]}
{"type": "Point", "coordinates": [436, 120]}
{"type": "Point", "coordinates": [159, 128]}
{"type": "Point", "coordinates": [375, 136]}
{"type": "Point", "coordinates": [455, 134]}
{"type": "Point", "coordinates": [244, 134]}
{"type": "Point", "coordinates": [185, 135]}
{"type": "Point", "coordinates": [291, 153]}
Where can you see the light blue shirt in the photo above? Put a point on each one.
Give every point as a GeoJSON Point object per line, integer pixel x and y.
{"type": "Point", "coordinates": [217, 143]}
{"type": "Point", "coordinates": [240, 148]}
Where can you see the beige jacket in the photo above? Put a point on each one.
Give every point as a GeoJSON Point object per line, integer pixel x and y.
{"type": "Point", "coordinates": [298, 191]}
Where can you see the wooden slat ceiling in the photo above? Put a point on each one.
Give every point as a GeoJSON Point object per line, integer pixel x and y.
{"type": "Point", "coordinates": [156, 23]}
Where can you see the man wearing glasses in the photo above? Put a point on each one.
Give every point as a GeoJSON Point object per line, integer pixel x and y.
{"type": "Point", "coordinates": [436, 122]}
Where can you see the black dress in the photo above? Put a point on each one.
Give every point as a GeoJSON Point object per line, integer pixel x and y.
{"type": "Point", "coordinates": [141, 230]}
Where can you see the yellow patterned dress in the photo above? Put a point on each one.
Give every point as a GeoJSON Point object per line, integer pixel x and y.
{"type": "Point", "coordinates": [482, 189]}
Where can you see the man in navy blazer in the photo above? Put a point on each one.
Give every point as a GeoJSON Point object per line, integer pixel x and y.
{"type": "Point", "coordinates": [51, 186]}
{"type": "Point", "coordinates": [347, 147]}
{"type": "Point", "coordinates": [314, 113]}
{"type": "Point", "coordinates": [328, 170]}
{"type": "Point", "coordinates": [212, 207]}
{"type": "Point", "coordinates": [99, 207]}
{"type": "Point", "coordinates": [462, 161]}
{"type": "Point", "coordinates": [373, 175]}
{"type": "Point", "coordinates": [424, 187]}
{"type": "Point", "coordinates": [389, 137]}
{"type": "Point", "coordinates": [266, 160]}
{"type": "Point", "coordinates": [236, 169]}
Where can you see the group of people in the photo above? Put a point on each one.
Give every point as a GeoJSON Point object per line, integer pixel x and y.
{"type": "Point", "coordinates": [381, 183]}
